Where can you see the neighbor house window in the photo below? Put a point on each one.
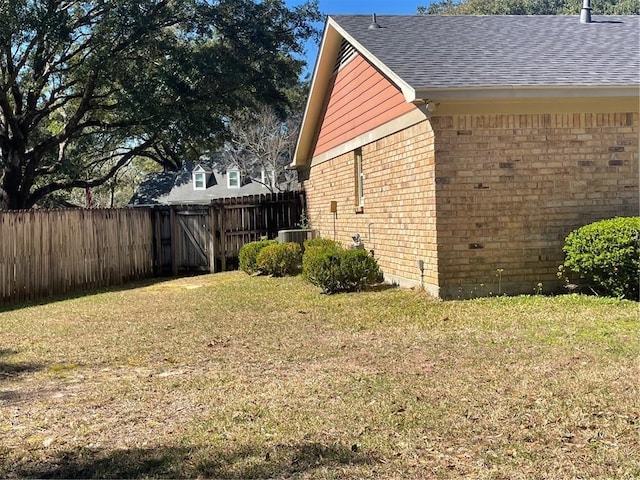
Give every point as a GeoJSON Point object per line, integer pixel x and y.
{"type": "Point", "coordinates": [199, 181]}
{"type": "Point", "coordinates": [233, 178]}
{"type": "Point", "coordinates": [359, 178]}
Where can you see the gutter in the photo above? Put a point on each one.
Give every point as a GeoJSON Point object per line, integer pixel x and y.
{"type": "Point", "coordinates": [526, 91]}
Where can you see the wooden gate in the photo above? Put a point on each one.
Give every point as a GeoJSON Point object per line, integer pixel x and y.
{"type": "Point", "coordinates": [208, 238]}
{"type": "Point", "coordinates": [193, 239]}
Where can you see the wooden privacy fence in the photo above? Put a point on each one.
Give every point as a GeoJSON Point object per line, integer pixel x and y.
{"type": "Point", "coordinates": [47, 252]}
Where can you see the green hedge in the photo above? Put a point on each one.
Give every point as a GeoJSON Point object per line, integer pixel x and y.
{"type": "Point", "coordinates": [606, 255]}
{"type": "Point", "coordinates": [335, 269]}
{"type": "Point", "coordinates": [280, 259]}
{"type": "Point", "coordinates": [321, 243]}
{"type": "Point", "coordinates": [249, 253]}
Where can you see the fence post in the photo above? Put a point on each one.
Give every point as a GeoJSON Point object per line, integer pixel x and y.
{"type": "Point", "coordinates": [174, 240]}
{"type": "Point", "coordinates": [213, 243]}
{"type": "Point", "coordinates": [223, 236]}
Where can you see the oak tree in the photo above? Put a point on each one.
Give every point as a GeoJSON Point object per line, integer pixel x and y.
{"type": "Point", "coordinates": [87, 86]}
{"type": "Point", "coordinates": [529, 7]}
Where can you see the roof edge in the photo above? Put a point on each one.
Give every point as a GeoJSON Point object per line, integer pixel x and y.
{"type": "Point", "coordinates": [315, 98]}
{"type": "Point", "coordinates": [526, 91]}
{"type": "Point", "coordinates": [407, 90]}
{"type": "Point", "coordinates": [329, 47]}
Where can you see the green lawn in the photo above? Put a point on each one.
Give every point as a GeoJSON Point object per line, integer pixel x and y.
{"type": "Point", "coordinates": [242, 377]}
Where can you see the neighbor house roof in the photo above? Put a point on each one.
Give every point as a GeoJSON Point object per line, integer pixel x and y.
{"type": "Point", "coordinates": [176, 188]}
{"type": "Point", "coordinates": [184, 193]}
{"type": "Point", "coordinates": [154, 189]}
{"type": "Point", "coordinates": [433, 57]}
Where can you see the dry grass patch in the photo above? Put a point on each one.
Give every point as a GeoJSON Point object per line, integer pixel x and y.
{"type": "Point", "coordinates": [240, 377]}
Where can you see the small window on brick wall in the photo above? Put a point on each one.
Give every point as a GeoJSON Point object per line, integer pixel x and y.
{"type": "Point", "coordinates": [359, 178]}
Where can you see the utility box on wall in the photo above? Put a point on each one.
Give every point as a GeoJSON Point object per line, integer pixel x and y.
{"type": "Point", "coordinates": [333, 206]}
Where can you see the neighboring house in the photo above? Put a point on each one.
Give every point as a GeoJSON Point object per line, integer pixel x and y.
{"type": "Point", "coordinates": [464, 149]}
{"type": "Point", "coordinates": [198, 185]}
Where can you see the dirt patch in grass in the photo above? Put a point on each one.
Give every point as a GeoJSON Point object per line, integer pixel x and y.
{"type": "Point", "coordinates": [247, 377]}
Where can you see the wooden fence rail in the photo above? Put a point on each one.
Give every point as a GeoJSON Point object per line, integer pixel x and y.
{"type": "Point", "coordinates": [48, 252]}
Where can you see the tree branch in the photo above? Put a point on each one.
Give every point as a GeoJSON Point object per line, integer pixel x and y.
{"type": "Point", "coordinates": [94, 182]}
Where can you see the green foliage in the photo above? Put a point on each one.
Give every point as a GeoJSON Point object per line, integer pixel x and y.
{"type": "Point", "coordinates": [321, 242]}
{"type": "Point", "coordinates": [249, 253]}
{"type": "Point", "coordinates": [334, 269]}
{"type": "Point", "coordinates": [607, 255]}
{"type": "Point", "coordinates": [280, 259]}
{"type": "Point", "coordinates": [86, 87]}
{"type": "Point", "coordinates": [529, 7]}
{"type": "Point", "coordinates": [359, 269]}
{"type": "Point", "coordinates": [320, 264]}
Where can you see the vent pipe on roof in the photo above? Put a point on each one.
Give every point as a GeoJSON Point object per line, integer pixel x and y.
{"type": "Point", "coordinates": [585, 13]}
{"type": "Point", "coordinates": [375, 24]}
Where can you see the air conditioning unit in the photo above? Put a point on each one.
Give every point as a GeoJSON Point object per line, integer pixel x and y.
{"type": "Point", "coordinates": [298, 236]}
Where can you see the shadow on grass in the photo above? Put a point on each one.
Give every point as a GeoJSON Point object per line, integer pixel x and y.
{"type": "Point", "coordinates": [381, 287]}
{"type": "Point", "coordinates": [79, 293]}
{"type": "Point", "coordinates": [10, 370]}
{"type": "Point", "coordinates": [248, 461]}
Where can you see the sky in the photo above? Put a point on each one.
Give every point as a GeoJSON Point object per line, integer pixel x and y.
{"type": "Point", "coordinates": [380, 7]}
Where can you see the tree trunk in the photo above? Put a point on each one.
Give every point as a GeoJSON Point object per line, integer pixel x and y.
{"type": "Point", "coordinates": [14, 195]}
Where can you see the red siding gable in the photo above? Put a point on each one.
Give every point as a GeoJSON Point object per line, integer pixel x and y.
{"type": "Point", "coordinates": [359, 100]}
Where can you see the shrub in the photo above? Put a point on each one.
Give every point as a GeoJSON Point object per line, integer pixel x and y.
{"type": "Point", "coordinates": [320, 243]}
{"type": "Point", "coordinates": [321, 267]}
{"type": "Point", "coordinates": [249, 253]}
{"type": "Point", "coordinates": [280, 259]}
{"type": "Point", "coordinates": [358, 269]}
{"type": "Point", "coordinates": [335, 269]}
{"type": "Point", "coordinates": [606, 254]}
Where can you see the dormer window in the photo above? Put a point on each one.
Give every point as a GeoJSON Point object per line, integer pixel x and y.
{"type": "Point", "coordinates": [199, 181]}
{"type": "Point", "coordinates": [233, 178]}
{"type": "Point", "coordinates": [199, 175]}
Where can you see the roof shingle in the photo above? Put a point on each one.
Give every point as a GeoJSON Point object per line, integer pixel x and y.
{"type": "Point", "coordinates": [496, 51]}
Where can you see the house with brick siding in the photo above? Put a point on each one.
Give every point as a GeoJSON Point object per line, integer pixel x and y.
{"type": "Point", "coordinates": [464, 149]}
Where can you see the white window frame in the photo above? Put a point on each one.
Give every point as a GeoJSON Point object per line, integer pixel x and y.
{"type": "Point", "coordinates": [199, 177]}
{"type": "Point", "coordinates": [359, 178]}
{"type": "Point", "coordinates": [236, 182]}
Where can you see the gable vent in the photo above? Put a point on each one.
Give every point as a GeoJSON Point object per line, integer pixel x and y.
{"type": "Point", "coordinates": [346, 52]}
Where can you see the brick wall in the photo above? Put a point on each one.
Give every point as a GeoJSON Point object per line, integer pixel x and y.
{"type": "Point", "coordinates": [508, 189]}
{"type": "Point", "coordinates": [511, 187]}
{"type": "Point", "coordinates": [398, 218]}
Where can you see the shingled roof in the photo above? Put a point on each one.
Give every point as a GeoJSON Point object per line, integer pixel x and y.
{"type": "Point", "coordinates": [439, 58]}
{"type": "Point", "coordinates": [428, 51]}
{"type": "Point", "coordinates": [176, 188]}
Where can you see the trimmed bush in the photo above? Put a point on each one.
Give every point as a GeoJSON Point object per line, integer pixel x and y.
{"type": "Point", "coordinates": [249, 253]}
{"type": "Point", "coordinates": [321, 267]}
{"type": "Point", "coordinates": [606, 254]}
{"type": "Point", "coordinates": [335, 269]}
{"type": "Point", "coordinates": [321, 243]}
{"type": "Point", "coordinates": [280, 259]}
{"type": "Point", "coordinates": [358, 270]}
